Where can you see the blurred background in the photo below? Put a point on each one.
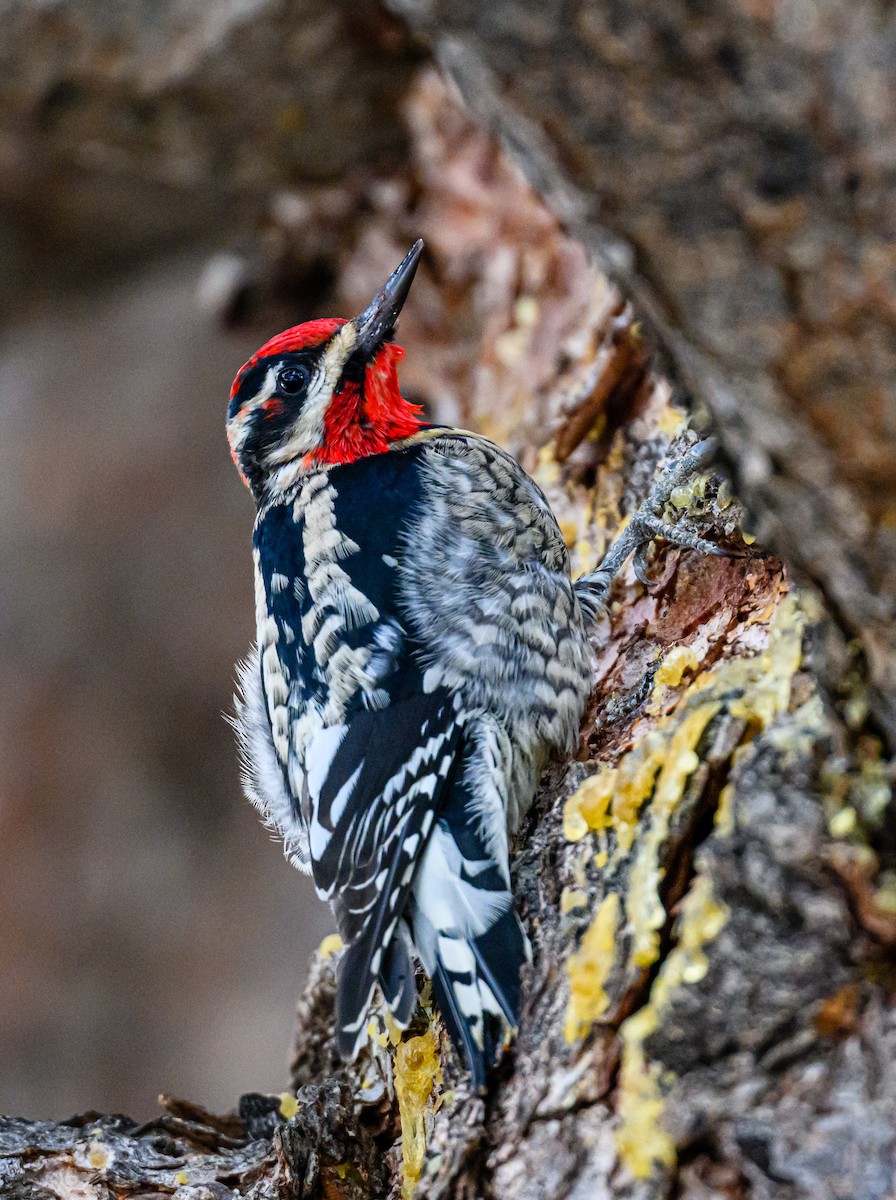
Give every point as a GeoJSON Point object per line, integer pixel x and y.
{"type": "Point", "coordinates": [152, 936]}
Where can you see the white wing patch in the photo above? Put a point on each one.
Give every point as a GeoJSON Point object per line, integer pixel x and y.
{"type": "Point", "coordinates": [337, 606]}
{"type": "Point", "coordinates": [320, 836]}
{"type": "Point", "coordinates": [319, 755]}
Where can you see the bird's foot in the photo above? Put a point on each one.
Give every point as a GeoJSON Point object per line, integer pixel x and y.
{"type": "Point", "coordinates": [647, 524]}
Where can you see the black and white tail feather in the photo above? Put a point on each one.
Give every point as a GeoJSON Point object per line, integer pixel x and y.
{"type": "Point", "coordinates": [476, 986]}
{"type": "Point", "coordinates": [422, 874]}
{"type": "Point", "coordinates": [467, 933]}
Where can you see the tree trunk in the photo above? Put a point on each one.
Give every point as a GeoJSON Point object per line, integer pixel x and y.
{"type": "Point", "coordinates": [709, 883]}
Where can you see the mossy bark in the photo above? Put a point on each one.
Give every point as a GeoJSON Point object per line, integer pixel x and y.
{"type": "Point", "coordinates": [709, 882]}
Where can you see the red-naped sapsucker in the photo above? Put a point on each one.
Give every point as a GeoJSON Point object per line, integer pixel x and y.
{"type": "Point", "coordinates": [421, 653]}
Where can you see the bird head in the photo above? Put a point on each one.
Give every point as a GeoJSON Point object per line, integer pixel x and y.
{"type": "Point", "coordinates": [323, 393]}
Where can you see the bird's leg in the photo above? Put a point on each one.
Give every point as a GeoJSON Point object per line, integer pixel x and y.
{"type": "Point", "coordinates": [644, 525]}
{"type": "Point", "coordinates": [680, 534]}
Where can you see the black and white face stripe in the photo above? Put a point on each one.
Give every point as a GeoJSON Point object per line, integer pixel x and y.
{"type": "Point", "coordinates": [264, 412]}
{"type": "Point", "coordinates": [307, 433]}
{"type": "Point", "coordinates": [277, 414]}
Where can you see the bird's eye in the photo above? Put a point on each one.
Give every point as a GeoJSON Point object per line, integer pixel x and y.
{"type": "Point", "coordinates": [292, 380]}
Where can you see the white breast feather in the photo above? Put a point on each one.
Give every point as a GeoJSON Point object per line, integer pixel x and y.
{"type": "Point", "coordinates": [262, 774]}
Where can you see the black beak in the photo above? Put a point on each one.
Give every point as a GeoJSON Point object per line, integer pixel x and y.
{"type": "Point", "coordinates": [376, 324]}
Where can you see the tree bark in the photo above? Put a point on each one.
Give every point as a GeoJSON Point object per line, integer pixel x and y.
{"type": "Point", "coordinates": [709, 882]}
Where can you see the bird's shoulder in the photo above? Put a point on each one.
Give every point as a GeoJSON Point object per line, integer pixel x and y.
{"type": "Point", "coordinates": [361, 501]}
{"type": "Point", "coordinates": [444, 444]}
{"type": "Point", "coordinates": [473, 488]}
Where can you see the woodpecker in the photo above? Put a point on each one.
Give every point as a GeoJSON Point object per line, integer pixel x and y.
{"type": "Point", "coordinates": [421, 652]}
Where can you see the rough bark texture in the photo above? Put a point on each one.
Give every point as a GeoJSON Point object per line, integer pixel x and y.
{"type": "Point", "coordinates": [709, 884]}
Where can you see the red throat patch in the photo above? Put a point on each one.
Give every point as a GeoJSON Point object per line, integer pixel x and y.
{"type": "Point", "coordinates": [364, 420]}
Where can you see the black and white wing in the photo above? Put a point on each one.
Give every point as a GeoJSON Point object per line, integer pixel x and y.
{"type": "Point", "coordinates": [374, 787]}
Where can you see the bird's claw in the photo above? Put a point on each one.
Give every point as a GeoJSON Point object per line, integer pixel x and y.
{"type": "Point", "coordinates": [645, 525]}
{"type": "Point", "coordinates": [682, 534]}
{"type": "Point", "coordinates": [640, 567]}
